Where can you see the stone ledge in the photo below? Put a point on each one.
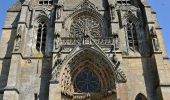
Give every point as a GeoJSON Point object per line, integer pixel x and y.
{"type": "Point", "coordinates": [11, 89]}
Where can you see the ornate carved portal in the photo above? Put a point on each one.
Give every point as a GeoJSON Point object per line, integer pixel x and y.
{"type": "Point", "coordinates": [86, 77]}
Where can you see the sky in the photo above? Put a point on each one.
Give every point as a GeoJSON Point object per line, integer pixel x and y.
{"type": "Point", "coordinates": [161, 7]}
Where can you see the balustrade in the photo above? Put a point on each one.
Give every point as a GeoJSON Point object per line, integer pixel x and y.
{"type": "Point", "coordinates": [66, 41]}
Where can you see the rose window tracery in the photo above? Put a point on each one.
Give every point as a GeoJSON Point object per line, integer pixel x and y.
{"type": "Point", "coordinates": [85, 25]}
{"type": "Point", "coordinates": [87, 81]}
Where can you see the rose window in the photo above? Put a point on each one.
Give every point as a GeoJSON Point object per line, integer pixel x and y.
{"type": "Point", "coordinates": [85, 25]}
{"type": "Point", "coordinates": [87, 82]}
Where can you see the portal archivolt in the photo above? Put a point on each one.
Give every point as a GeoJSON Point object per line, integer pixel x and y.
{"type": "Point", "coordinates": [88, 73]}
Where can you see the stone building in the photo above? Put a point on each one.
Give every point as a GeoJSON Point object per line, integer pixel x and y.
{"type": "Point", "coordinates": [83, 50]}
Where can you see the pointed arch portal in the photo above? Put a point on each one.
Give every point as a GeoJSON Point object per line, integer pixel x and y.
{"type": "Point", "coordinates": [88, 72]}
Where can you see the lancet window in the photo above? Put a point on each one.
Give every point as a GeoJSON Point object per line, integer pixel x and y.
{"type": "Point", "coordinates": [132, 36]}
{"type": "Point", "coordinates": [41, 37]}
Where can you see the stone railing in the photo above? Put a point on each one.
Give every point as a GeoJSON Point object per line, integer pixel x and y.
{"type": "Point", "coordinates": [68, 41]}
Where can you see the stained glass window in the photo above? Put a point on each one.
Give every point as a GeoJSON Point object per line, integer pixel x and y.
{"type": "Point", "coordinates": [87, 81]}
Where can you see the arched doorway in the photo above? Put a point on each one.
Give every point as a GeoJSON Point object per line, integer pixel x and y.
{"type": "Point", "coordinates": [88, 75]}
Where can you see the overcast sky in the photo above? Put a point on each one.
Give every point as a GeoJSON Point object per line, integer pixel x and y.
{"type": "Point", "coordinates": [162, 7]}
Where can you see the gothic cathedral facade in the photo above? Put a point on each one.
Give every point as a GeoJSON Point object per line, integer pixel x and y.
{"type": "Point", "coordinates": [83, 50]}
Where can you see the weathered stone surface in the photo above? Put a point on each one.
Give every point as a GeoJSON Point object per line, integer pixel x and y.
{"type": "Point", "coordinates": [47, 47]}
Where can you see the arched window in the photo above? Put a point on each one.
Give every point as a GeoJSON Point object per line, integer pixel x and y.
{"type": "Point", "coordinates": [41, 37]}
{"type": "Point", "coordinates": [132, 36]}
{"type": "Point", "coordinates": [140, 97]}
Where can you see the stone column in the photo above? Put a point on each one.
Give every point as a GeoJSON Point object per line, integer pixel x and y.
{"type": "Point", "coordinates": [54, 91]}
{"type": "Point", "coordinates": [11, 91]}
{"type": "Point", "coordinates": [163, 90]}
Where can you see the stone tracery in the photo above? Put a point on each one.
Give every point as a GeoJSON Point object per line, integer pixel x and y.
{"type": "Point", "coordinates": [85, 24]}
{"type": "Point", "coordinates": [87, 81]}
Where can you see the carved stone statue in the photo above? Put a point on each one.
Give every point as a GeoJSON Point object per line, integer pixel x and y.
{"type": "Point", "coordinates": [154, 38]}
{"type": "Point", "coordinates": [115, 59]}
{"type": "Point", "coordinates": [112, 11]}
{"type": "Point", "coordinates": [153, 33]}
{"type": "Point", "coordinates": [116, 41]}
{"type": "Point", "coordinates": [58, 9]}
{"type": "Point", "coordinates": [57, 66]}
{"type": "Point", "coordinates": [59, 60]}
{"type": "Point", "coordinates": [58, 13]}
{"type": "Point", "coordinates": [83, 35]}
{"type": "Point", "coordinates": [80, 39]}
{"type": "Point", "coordinates": [18, 39]}
{"type": "Point", "coordinates": [57, 41]}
